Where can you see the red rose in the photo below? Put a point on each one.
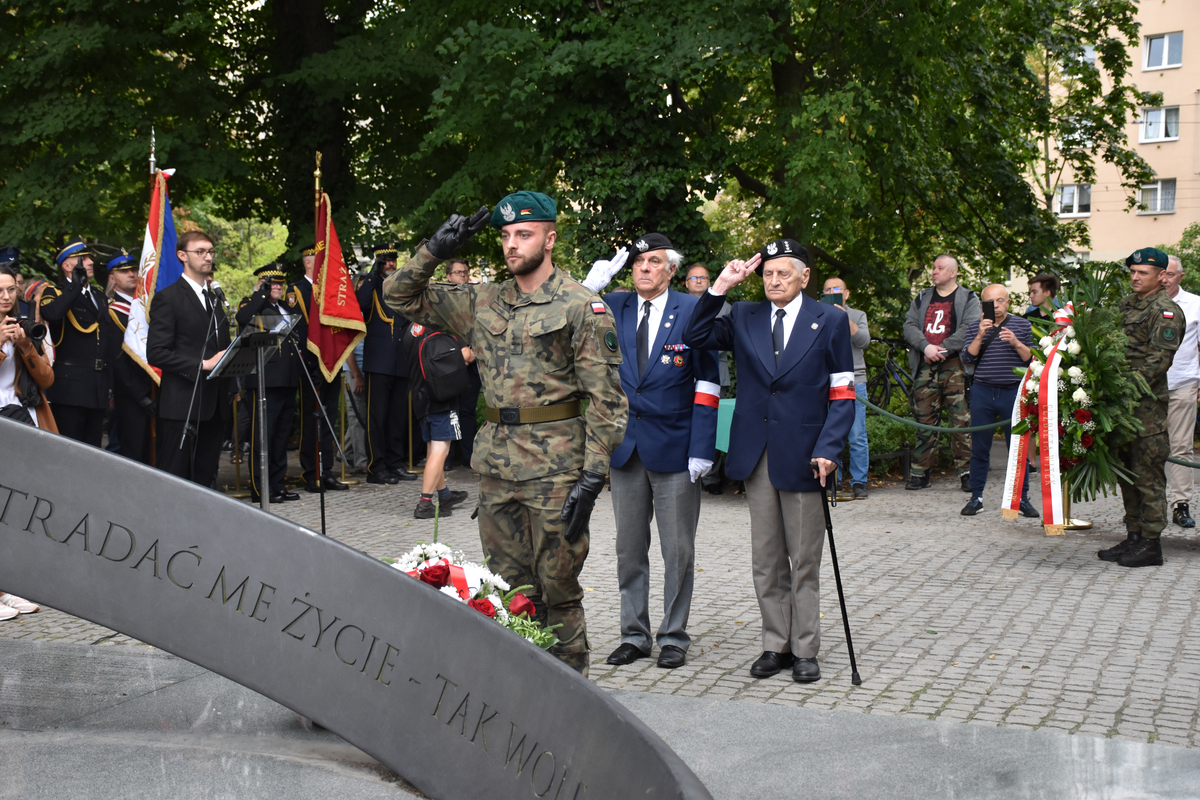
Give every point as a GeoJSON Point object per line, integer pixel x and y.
{"type": "Point", "coordinates": [1082, 415]}
{"type": "Point", "coordinates": [483, 606]}
{"type": "Point", "coordinates": [1086, 440]}
{"type": "Point", "coordinates": [1062, 430]}
{"type": "Point", "coordinates": [520, 604]}
{"type": "Point", "coordinates": [436, 575]}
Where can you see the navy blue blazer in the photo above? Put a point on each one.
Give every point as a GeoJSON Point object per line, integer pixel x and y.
{"type": "Point", "coordinates": [799, 411]}
{"type": "Point", "coordinates": [673, 407]}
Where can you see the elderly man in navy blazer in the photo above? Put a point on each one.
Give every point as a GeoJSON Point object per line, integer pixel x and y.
{"type": "Point", "coordinates": [795, 405]}
{"type": "Point", "coordinates": [669, 444]}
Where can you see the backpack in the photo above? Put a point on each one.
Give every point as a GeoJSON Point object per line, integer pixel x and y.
{"type": "Point", "coordinates": [442, 366]}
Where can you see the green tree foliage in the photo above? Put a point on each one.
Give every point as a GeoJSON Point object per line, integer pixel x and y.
{"type": "Point", "coordinates": [879, 133]}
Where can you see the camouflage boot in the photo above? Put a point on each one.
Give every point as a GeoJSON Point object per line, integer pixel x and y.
{"type": "Point", "coordinates": [1146, 553]}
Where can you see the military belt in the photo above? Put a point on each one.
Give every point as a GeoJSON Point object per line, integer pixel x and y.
{"type": "Point", "coordinates": [98, 364]}
{"type": "Point", "coordinates": [524, 416]}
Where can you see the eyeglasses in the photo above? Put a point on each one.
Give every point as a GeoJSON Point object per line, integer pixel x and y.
{"type": "Point", "coordinates": [9, 289]}
{"type": "Point", "coordinates": [698, 279]}
{"type": "Point", "coordinates": [832, 290]}
{"type": "Point", "coordinates": [201, 253]}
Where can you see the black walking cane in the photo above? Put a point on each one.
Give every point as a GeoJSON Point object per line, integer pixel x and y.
{"type": "Point", "coordinates": [831, 486]}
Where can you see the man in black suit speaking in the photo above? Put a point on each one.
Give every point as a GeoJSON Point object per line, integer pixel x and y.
{"type": "Point", "coordinates": [188, 335]}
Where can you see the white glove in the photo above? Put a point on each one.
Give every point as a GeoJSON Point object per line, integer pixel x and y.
{"type": "Point", "coordinates": [603, 272]}
{"type": "Point", "coordinates": [699, 467]}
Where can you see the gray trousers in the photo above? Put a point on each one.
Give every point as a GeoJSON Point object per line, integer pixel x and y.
{"type": "Point", "coordinates": [787, 534]}
{"type": "Point", "coordinates": [638, 496]}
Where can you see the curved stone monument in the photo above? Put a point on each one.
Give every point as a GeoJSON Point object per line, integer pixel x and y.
{"type": "Point", "coordinates": [458, 705]}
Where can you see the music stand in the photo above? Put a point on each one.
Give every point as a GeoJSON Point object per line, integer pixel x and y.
{"type": "Point", "coordinates": [248, 355]}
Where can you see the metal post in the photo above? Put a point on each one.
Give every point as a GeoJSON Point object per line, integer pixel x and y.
{"type": "Point", "coordinates": [264, 480]}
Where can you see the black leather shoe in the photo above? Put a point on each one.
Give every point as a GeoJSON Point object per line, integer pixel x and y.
{"type": "Point", "coordinates": [402, 474]}
{"type": "Point", "coordinates": [671, 657]}
{"type": "Point", "coordinates": [429, 511]}
{"type": "Point", "coordinates": [917, 482]}
{"type": "Point", "coordinates": [1183, 516]}
{"type": "Point", "coordinates": [332, 484]}
{"type": "Point", "coordinates": [965, 482]}
{"type": "Point", "coordinates": [1118, 550]}
{"type": "Point", "coordinates": [973, 507]}
{"type": "Point", "coordinates": [806, 670]}
{"type": "Point", "coordinates": [1146, 553]}
{"type": "Point", "coordinates": [386, 477]}
{"type": "Point", "coordinates": [860, 491]}
{"type": "Point", "coordinates": [625, 654]}
{"type": "Point", "coordinates": [276, 497]}
{"type": "Point", "coordinates": [454, 499]}
{"type": "Point", "coordinates": [1027, 509]}
{"type": "Point", "coordinates": [770, 663]}
{"type": "Point", "coordinates": [713, 488]}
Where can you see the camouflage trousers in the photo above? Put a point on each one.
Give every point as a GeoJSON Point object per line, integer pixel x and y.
{"type": "Point", "coordinates": [1146, 498]}
{"type": "Point", "coordinates": [936, 388]}
{"type": "Point", "coordinates": [521, 532]}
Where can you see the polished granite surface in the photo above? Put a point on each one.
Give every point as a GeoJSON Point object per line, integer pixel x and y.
{"type": "Point", "coordinates": [107, 722]}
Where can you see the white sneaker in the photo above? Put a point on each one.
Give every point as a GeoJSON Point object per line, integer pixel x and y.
{"type": "Point", "coordinates": [7, 613]}
{"type": "Point", "coordinates": [21, 605]}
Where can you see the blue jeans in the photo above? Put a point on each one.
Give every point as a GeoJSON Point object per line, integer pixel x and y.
{"type": "Point", "coordinates": [860, 451]}
{"type": "Point", "coordinates": [990, 403]}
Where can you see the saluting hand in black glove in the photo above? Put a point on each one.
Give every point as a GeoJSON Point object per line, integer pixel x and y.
{"type": "Point", "coordinates": [455, 232]}
{"type": "Point", "coordinates": [577, 508]}
{"type": "Point", "coordinates": [79, 276]}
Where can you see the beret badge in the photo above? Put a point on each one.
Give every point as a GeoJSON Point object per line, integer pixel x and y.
{"type": "Point", "coordinates": [507, 212]}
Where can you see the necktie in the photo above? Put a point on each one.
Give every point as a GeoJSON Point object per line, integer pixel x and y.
{"type": "Point", "coordinates": [208, 307]}
{"type": "Point", "coordinates": [643, 338]}
{"type": "Point", "coordinates": [777, 334]}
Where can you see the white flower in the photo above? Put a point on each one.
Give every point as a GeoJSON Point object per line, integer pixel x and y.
{"type": "Point", "coordinates": [451, 592]}
{"type": "Point", "coordinates": [1069, 332]}
{"type": "Point", "coordinates": [1037, 368]}
{"type": "Point", "coordinates": [1081, 397]}
{"type": "Point", "coordinates": [1045, 342]}
{"type": "Point", "coordinates": [1077, 376]}
{"type": "Point", "coordinates": [1073, 348]}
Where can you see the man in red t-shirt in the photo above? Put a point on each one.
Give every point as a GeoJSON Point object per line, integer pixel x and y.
{"type": "Point", "coordinates": [934, 334]}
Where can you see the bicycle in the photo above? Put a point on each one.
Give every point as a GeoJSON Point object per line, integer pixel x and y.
{"type": "Point", "coordinates": [879, 386]}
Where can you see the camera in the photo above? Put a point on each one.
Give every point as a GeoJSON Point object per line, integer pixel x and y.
{"type": "Point", "coordinates": [36, 331]}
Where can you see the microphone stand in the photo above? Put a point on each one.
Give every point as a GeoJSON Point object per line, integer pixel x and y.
{"type": "Point", "coordinates": [321, 416]}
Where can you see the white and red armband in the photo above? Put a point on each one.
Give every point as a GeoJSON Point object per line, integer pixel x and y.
{"type": "Point", "coordinates": [708, 394]}
{"type": "Point", "coordinates": [841, 386]}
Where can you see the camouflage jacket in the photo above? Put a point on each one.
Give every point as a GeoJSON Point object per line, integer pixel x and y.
{"type": "Point", "coordinates": [1155, 327]}
{"type": "Point", "coordinates": [554, 345]}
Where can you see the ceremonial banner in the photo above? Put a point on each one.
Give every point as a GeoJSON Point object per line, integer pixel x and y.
{"type": "Point", "coordinates": [159, 268]}
{"type": "Point", "coordinates": [335, 322]}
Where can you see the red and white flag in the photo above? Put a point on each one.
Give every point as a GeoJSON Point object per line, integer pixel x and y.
{"type": "Point", "coordinates": [335, 322]}
{"type": "Point", "coordinates": [159, 268]}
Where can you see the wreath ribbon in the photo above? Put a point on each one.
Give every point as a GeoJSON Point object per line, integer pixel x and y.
{"type": "Point", "coordinates": [458, 578]}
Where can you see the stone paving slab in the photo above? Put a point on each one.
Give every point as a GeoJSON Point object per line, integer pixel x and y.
{"type": "Point", "coordinates": [968, 619]}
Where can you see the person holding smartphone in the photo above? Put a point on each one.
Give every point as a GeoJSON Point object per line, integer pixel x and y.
{"type": "Point", "coordinates": [836, 293]}
{"type": "Point", "coordinates": [997, 343]}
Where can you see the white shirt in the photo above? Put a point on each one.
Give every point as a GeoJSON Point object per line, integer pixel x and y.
{"type": "Point", "coordinates": [657, 306]}
{"type": "Point", "coordinates": [8, 379]}
{"type": "Point", "coordinates": [1185, 369]}
{"type": "Point", "coordinates": [791, 311]}
{"type": "Point", "coordinates": [199, 290]}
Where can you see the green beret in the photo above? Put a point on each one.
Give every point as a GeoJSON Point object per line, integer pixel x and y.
{"type": "Point", "coordinates": [524, 207]}
{"type": "Point", "coordinates": [1148, 255]}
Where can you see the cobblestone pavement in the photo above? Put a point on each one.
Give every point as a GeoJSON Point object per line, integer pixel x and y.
{"type": "Point", "coordinates": [954, 618]}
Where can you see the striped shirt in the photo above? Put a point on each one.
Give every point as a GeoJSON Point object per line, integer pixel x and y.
{"type": "Point", "coordinates": [1000, 358]}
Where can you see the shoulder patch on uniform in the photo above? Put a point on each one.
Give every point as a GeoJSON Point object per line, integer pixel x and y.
{"type": "Point", "coordinates": [291, 298]}
{"type": "Point", "coordinates": [418, 329]}
{"type": "Point", "coordinates": [598, 307]}
{"type": "Point", "coordinates": [610, 341]}
{"type": "Point", "coordinates": [1168, 315]}
{"type": "Point", "coordinates": [1169, 334]}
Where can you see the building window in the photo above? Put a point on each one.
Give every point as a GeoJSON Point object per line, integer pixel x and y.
{"type": "Point", "coordinates": [1159, 124]}
{"type": "Point", "coordinates": [1074, 200]}
{"type": "Point", "coordinates": [1158, 197]}
{"type": "Point", "coordinates": [1164, 50]}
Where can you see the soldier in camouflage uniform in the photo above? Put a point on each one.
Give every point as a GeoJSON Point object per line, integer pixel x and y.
{"type": "Point", "coordinates": [1155, 326]}
{"type": "Point", "coordinates": [543, 344]}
